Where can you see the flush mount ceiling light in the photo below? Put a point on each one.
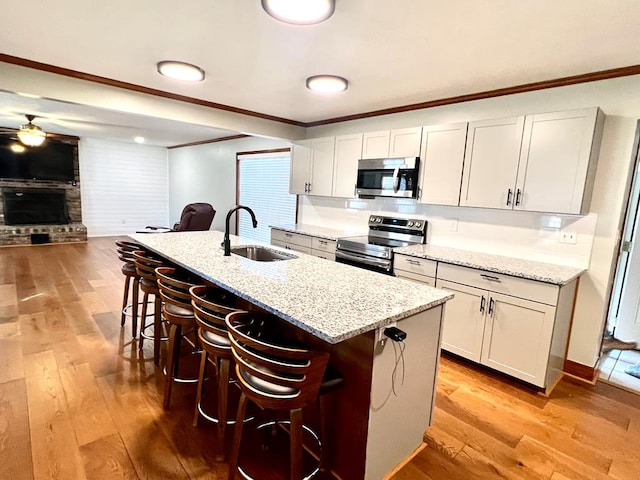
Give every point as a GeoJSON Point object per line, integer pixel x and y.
{"type": "Point", "coordinates": [180, 71]}
{"type": "Point", "coordinates": [31, 135]}
{"type": "Point", "coordinates": [327, 83]}
{"type": "Point", "coordinates": [299, 12]}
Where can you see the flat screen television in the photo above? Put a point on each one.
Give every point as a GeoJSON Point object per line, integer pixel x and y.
{"type": "Point", "coordinates": [51, 161]}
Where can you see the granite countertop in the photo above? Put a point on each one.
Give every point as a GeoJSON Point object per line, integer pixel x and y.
{"type": "Point", "coordinates": [542, 272]}
{"type": "Point", "coordinates": [316, 231]}
{"type": "Point", "coordinates": [330, 300]}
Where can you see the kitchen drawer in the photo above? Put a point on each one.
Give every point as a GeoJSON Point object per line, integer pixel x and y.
{"type": "Point", "coordinates": [323, 244]}
{"type": "Point", "coordinates": [421, 266]}
{"type": "Point", "coordinates": [326, 255]}
{"type": "Point", "coordinates": [279, 244]}
{"type": "Point", "coordinates": [291, 238]}
{"type": "Point", "coordinates": [298, 248]}
{"type": "Point", "coordinates": [427, 280]}
{"type": "Point", "coordinates": [499, 283]}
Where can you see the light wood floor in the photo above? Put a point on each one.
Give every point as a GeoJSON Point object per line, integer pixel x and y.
{"type": "Point", "coordinates": [77, 402]}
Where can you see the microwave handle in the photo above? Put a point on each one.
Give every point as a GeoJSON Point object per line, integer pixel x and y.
{"type": "Point", "coordinates": [396, 180]}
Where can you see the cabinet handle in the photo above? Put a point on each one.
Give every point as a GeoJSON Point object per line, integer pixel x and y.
{"type": "Point", "coordinates": [490, 277]}
{"type": "Point", "coordinates": [411, 261]}
{"type": "Point", "coordinates": [491, 303]}
{"type": "Point", "coordinates": [355, 189]}
{"type": "Point", "coordinates": [288, 235]}
{"type": "Point", "coordinates": [482, 302]}
{"type": "Point", "coordinates": [309, 187]}
{"type": "Point", "coordinates": [518, 195]}
{"type": "Point", "coordinates": [322, 242]}
{"type": "Point", "coordinates": [509, 195]}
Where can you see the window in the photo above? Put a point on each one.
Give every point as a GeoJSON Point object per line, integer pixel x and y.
{"type": "Point", "coordinates": [263, 186]}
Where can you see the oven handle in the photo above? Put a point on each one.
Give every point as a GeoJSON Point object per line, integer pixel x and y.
{"type": "Point", "coordinates": [355, 257]}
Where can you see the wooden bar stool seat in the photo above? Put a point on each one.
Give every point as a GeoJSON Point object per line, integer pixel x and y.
{"type": "Point", "coordinates": [276, 377]}
{"type": "Point", "coordinates": [173, 286]}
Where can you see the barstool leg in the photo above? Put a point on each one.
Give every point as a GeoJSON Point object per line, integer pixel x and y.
{"type": "Point", "coordinates": [295, 447]}
{"type": "Point", "coordinates": [201, 376]}
{"type": "Point", "coordinates": [175, 331]}
{"type": "Point", "coordinates": [223, 395]}
{"type": "Point", "coordinates": [157, 328]}
{"type": "Point", "coordinates": [125, 297]}
{"type": "Point", "coordinates": [237, 436]}
{"type": "Point", "coordinates": [143, 315]}
{"type": "Point", "coordinates": [134, 307]}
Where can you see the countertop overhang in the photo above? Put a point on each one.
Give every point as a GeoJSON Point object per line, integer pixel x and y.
{"type": "Point", "coordinates": [330, 300]}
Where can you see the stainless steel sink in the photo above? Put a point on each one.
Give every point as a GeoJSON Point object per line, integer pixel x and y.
{"type": "Point", "coordinates": [261, 254]}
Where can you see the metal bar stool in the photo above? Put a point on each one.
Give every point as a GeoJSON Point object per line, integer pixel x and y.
{"type": "Point", "coordinates": [146, 263]}
{"type": "Point", "coordinates": [125, 253]}
{"type": "Point", "coordinates": [274, 377]}
{"type": "Point", "coordinates": [174, 286]}
{"type": "Point", "coordinates": [211, 306]}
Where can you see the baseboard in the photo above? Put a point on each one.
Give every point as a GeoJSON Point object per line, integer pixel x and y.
{"type": "Point", "coordinates": [580, 371]}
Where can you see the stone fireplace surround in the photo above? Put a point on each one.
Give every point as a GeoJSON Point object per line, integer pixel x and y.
{"type": "Point", "coordinates": [74, 231]}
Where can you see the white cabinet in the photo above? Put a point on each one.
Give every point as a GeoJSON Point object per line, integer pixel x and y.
{"type": "Point", "coordinates": [558, 161]}
{"type": "Point", "coordinates": [417, 269]}
{"type": "Point", "coordinates": [348, 150]}
{"type": "Point", "coordinates": [402, 142]}
{"type": "Point", "coordinates": [540, 163]}
{"type": "Point", "coordinates": [323, 248]}
{"type": "Point", "coordinates": [442, 158]}
{"type": "Point", "coordinates": [319, 247]}
{"type": "Point", "coordinates": [516, 326]}
{"type": "Point", "coordinates": [312, 167]}
{"type": "Point", "coordinates": [491, 163]}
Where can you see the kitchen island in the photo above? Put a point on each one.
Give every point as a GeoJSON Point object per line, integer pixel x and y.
{"type": "Point", "coordinates": [378, 417]}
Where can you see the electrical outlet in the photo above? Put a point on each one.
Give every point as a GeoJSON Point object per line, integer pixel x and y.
{"type": "Point", "coordinates": [568, 237]}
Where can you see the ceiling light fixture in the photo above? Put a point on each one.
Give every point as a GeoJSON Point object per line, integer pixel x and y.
{"type": "Point", "coordinates": [299, 12]}
{"type": "Point", "coordinates": [31, 135]}
{"type": "Point", "coordinates": [180, 71]}
{"type": "Point", "coordinates": [17, 148]}
{"type": "Point", "coordinates": [138, 139]}
{"type": "Point", "coordinates": [327, 83]}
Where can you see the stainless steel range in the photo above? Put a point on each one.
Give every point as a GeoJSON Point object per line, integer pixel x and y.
{"type": "Point", "coordinates": [375, 251]}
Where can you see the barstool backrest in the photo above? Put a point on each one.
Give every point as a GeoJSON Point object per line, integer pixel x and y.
{"type": "Point", "coordinates": [272, 375]}
{"type": "Point", "coordinates": [146, 264]}
{"type": "Point", "coordinates": [210, 308]}
{"type": "Point", "coordinates": [125, 250]}
{"type": "Point", "coordinates": [174, 287]}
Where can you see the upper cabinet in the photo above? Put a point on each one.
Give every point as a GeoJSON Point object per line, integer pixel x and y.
{"type": "Point", "coordinates": [491, 163]}
{"type": "Point", "coordinates": [348, 151]}
{"type": "Point", "coordinates": [403, 142]}
{"type": "Point", "coordinates": [558, 161]}
{"type": "Point", "coordinates": [312, 167]}
{"type": "Point", "coordinates": [441, 163]}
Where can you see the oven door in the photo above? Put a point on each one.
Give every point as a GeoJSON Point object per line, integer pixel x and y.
{"type": "Point", "coordinates": [380, 265]}
{"type": "Point", "coordinates": [388, 177]}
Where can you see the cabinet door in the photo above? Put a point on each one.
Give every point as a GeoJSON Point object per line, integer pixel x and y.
{"type": "Point", "coordinates": [321, 181]}
{"type": "Point", "coordinates": [415, 277]}
{"type": "Point", "coordinates": [491, 163]}
{"type": "Point", "coordinates": [345, 171]}
{"type": "Point", "coordinates": [442, 157]}
{"type": "Point", "coordinates": [376, 144]}
{"type": "Point", "coordinates": [464, 318]}
{"type": "Point", "coordinates": [405, 142]}
{"type": "Point", "coordinates": [300, 167]}
{"type": "Point", "coordinates": [554, 161]}
{"type": "Point", "coordinates": [517, 337]}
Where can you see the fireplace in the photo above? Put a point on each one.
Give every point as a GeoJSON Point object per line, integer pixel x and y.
{"type": "Point", "coordinates": [35, 206]}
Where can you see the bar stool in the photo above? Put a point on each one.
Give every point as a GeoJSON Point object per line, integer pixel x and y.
{"type": "Point", "coordinates": [125, 253]}
{"type": "Point", "coordinates": [146, 263]}
{"type": "Point", "coordinates": [275, 377]}
{"type": "Point", "coordinates": [174, 286]}
{"type": "Point", "coordinates": [211, 306]}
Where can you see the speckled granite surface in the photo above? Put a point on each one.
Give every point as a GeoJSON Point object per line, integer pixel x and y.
{"type": "Point", "coordinates": [322, 232]}
{"type": "Point", "coordinates": [329, 300]}
{"type": "Point", "coordinates": [543, 272]}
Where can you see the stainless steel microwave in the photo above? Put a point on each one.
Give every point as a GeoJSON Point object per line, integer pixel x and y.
{"type": "Point", "coordinates": [388, 177]}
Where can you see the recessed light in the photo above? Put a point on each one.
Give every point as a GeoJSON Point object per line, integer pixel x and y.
{"type": "Point", "coordinates": [299, 12]}
{"type": "Point", "coordinates": [181, 71]}
{"type": "Point", "coordinates": [327, 83]}
{"type": "Point", "coordinates": [139, 139]}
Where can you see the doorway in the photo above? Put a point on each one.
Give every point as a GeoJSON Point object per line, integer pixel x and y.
{"type": "Point", "coordinates": [620, 363]}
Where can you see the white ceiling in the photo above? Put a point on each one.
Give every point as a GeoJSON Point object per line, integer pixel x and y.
{"type": "Point", "coordinates": [393, 52]}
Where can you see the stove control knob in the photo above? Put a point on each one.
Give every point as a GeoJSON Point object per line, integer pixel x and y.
{"type": "Point", "coordinates": [410, 224]}
{"type": "Point", "coordinates": [418, 224]}
{"type": "Point", "coordinates": [379, 220]}
{"type": "Point", "coordinates": [372, 219]}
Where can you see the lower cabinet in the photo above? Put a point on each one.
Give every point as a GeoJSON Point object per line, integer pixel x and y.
{"type": "Point", "coordinates": [316, 246]}
{"type": "Point", "coordinates": [516, 326]}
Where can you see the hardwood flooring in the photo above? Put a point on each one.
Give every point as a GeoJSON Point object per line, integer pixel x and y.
{"type": "Point", "coordinates": [77, 401]}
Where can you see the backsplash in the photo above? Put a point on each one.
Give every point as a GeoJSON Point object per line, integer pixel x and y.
{"type": "Point", "coordinates": [531, 236]}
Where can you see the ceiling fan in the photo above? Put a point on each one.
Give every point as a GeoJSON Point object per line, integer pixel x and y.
{"type": "Point", "coordinates": [28, 134]}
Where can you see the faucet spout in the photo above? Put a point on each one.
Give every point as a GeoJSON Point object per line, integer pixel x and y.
{"type": "Point", "coordinates": [226, 242]}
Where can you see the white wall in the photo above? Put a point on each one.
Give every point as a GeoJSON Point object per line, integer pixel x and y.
{"type": "Point", "coordinates": [522, 234]}
{"type": "Point", "coordinates": [207, 173]}
{"type": "Point", "coordinates": [123, 186]}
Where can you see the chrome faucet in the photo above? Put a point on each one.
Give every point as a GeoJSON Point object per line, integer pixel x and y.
{"type": "Point", "coordinates": [226, 242]}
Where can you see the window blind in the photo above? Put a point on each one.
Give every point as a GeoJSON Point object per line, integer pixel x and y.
{"type": "Point", "coordinates": [263, 181]}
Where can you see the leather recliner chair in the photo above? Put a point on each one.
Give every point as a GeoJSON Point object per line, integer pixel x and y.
{"type": "Point", "coordinates": [194, 217]}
